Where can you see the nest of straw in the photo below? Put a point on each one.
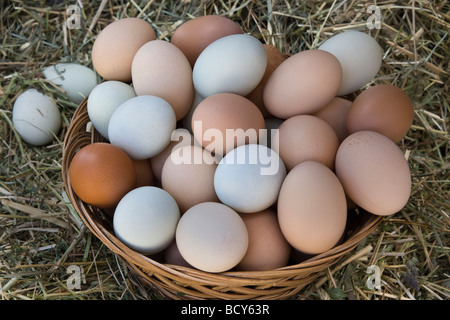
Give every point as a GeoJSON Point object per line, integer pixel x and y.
{"type": "Point", "coordinates": [41, 234]}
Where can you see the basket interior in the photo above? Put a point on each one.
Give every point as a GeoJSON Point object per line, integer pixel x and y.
{"type": "Point", "coordinates": [170, 280]}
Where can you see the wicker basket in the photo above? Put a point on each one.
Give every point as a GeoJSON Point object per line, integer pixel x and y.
{"type": "Point", "coordinates": [178, 282]}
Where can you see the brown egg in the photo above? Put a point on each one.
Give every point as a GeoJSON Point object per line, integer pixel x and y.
{"type": "Point", "coordinates": [144, 173]}
{"type": "Point", "coordinates": [188, 176]}
{"type": "Point", "coordinates": [383, 108]}
{"type": "Point", "coordinates": [180, 137]}
{"type": "Point", "coordinates": [274, 59]}
{"type": "Point", "coordinates": [193, 36]}
{"type": "Point", "coordinates": [306, 137]}
{"type": "Point", "coordinates": [267, 247]}
{"type": "Point", "coordinates": [225, 114]}
{"type": "Point", "coordinates": [161, 69]}
{"type": "Point", "coordinates": [115, 46]}
{"type": "Point", "coordinates": [335, 114]}
{"type": "Point", "coordinates": [302, 84]}
{"type": "Point", "coordinates": [312, 208]}
{"type": "Point", "coordinates": [374, 172]}
{"type": "Point", "coordinates": [101, 174]}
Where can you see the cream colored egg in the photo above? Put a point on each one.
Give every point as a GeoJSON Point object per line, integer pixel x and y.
{"type": "Point", "coordinates": [161, 69]}
{"type": "Point", "coordinates": [212, 237]}
{"type": "Point", "coordinates": [116, 45]}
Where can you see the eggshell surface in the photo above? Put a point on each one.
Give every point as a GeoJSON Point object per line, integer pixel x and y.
{"type": "Point", "coordinates": [159, 68]}
{"type": "Point", "coordinates": [75, 79]}
{"type": "Point", "coordinates": [104, 99]}
{"type": "Point", "coordinates": [374, 172]}
{"type": "Point", "coordinates": [235, 64]}
{"type": "Point", "coordinates": [212, 237]}
{"type": "Point", "coordinates": [335, 114]}
{"type": "Point", "coordinates": [248, 178]}
{"type": "Point", "coordinates": [302, 84]}
{"type": "Point", "coordinates": [306, 137]}
{"type": "Point", "coordinates": [383, 108]}
{"type": "Point", "coordinates": [146, 219]}
{"type": "Point", "coordinates": [224, 121]}
{"type": "Point", "coordinates": [101, 174]}
{"type": "Point", "coordinates": [267, 247]}
{"type": "Point", "coordinates": [194, 35]}
{"type": "Point", "coordinates": [36, 117]}
{"type": "Point", "coordinates": [142, 126]}
{"type": "Point", "coordinates": [312, 208]}
{"type": "Point", "coordinates": [188, 175]}
{"type": "Point", "coordinates": [115, 46]}
{"type": "Point", "coordinates": [360, 56]}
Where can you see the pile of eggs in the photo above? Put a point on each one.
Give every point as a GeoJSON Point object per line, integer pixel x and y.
{"type": "Point", "coordinates": [223, 153]}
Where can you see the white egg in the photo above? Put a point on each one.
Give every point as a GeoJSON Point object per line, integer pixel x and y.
{"type": "Point", "coordinates": [212, 237]}
{"type": "Point", "coordinates": [104, 99]}
{"type": "Point", "coordinates": [360, 56]}
{"type": "Point", "coordinates": [249, 178]}
{"type": "Point", "coordinates": [36, 117]}
{"type": "Point", "coordinates": [75, 79]}
{"type": "Point", "coordinates": [146, 219]}
{"type": "Point", "coordinates": [142, 126]}
{"type": "Point", "coordinates": [234, 64]}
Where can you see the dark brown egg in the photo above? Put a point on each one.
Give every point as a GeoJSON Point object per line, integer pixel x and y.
{"type": "Point", "coordinates": [101, 174]}
{"type": "Point", "coordinates": [383, 108]}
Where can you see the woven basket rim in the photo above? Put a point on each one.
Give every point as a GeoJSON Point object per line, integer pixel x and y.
{"type": "Point", "coordinates": [174, 277]}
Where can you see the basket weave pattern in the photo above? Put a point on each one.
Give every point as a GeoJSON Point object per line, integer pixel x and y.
{"type": "Point", "coordinates": [178, 282]}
